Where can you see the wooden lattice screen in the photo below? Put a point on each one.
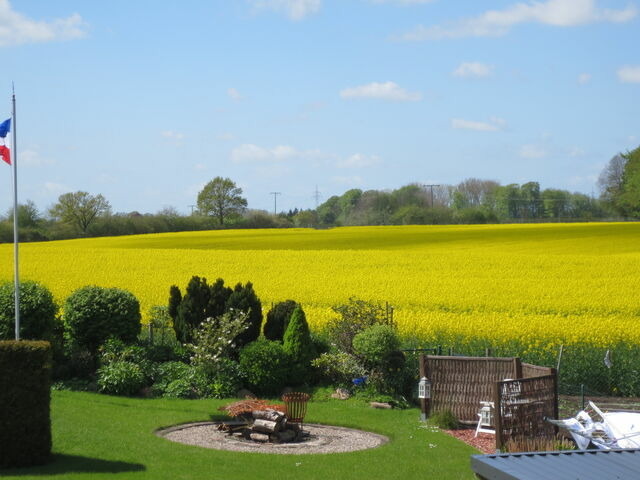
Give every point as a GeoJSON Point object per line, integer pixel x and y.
{"type": "Point", "coordinates": [459, 384]}
{"type": "Point", "coordinates": [521, 407]}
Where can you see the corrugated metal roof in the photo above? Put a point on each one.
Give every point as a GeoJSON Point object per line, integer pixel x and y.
{"type": "Point", "coordinates": [621, 464]}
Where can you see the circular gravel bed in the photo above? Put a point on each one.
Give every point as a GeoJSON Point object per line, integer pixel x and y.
{"type": "Point", "coordinates": [321, 439]}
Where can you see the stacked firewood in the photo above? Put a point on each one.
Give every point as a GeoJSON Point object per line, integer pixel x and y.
{"type": "Point", "coordinates": [264, 425]}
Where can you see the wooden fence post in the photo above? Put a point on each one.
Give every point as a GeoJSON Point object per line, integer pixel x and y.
{"type": "Point", "coordinates": [497, 414]}
{"type": "Point", "coordinates": [517, 368]}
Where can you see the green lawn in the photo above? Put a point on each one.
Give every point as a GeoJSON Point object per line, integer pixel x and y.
{"type": "Point", "coordinates": [98, 436]}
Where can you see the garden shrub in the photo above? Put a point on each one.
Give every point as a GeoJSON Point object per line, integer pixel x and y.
{"type": "Point", "coordinates": [115, 350]}
{"type": "Point", "coordinates": [190, 311]}
{"type": "Point", "coordinates": [121, 377]}
{"type": "Point", "coordinates": [297, 344]}
{"type": "Point", "coordinates": [278, 319]}
{"type": "Point", "coordinates": [161, 326]}
{"type": "Point", "coordinates": [225, 380]}
{"type": "Point", "coordinates": [168, 372]}
{"type": "Point", "coordinates": [338, 368]}
{"type": "Point", "coordinates": [444, 419]}
{"type": "Point", "coordinates": [244, 298]}
{"type": "Point", "coordinates": [215, 338]}
{"type": "Point", "coordinates": [38, 312]}
{"type": "Point", "coordinates": [179, 380]}
{"type": "Point", "coordinates": [354, 317]}
{"type": "Point", "coordinates": [375, 344]}
{"type": "Point", "coordinates": [199, 302]}
{"type": "Point", "coordinates": [265, 366]}
{"type": "Point", "coordinates": [25, 422]}
{"type": "Point", "coordinates": [94, 314]}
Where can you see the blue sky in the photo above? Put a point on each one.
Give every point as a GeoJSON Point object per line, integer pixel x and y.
{"type": "Point", "coordinates": [146, 101]}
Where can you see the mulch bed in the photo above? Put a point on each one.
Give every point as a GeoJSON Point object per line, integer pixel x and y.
{"type": "Point", "coordinates": [484, 442]}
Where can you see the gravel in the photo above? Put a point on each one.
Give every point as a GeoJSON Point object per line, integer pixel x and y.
{"type": "Point", "coordinates": [321, 439]}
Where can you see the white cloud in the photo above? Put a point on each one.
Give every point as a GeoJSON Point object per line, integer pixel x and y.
{"type": "Point", "coordinates": [359, 160]}
{"type": "Point", "coordinates": [576, 152]}
{"type": "Point", "coordinates": [494, 23]}
{"type": "Point", "coordinates": [345, 180]}
{"type": "Point", "coordinates": [200, 167]}
{"type": "Point", "coordinates": [384, 91]}
{"type": "Point", "coordinates": [248, 153]}
{"type": "Point", "coordinates": [17, 29]}
{"type": "Point", "coordinates": [472, 69]}
{"type": "Point", "coordinates": [32, 158]}
{"type": "Point", "coordinates": [493, 125]}
{"type": "Point", "coordinates": [55, 188]}
{"type": "Point", "coordinates": [294, 9]}
{"type": "Point", "coordinates": [584, 78]}
{"type": "Point", "coordinates": [403, 2]}
{"type": "Point", "coordinates": [226, 136]}
{"type": "Point", "coordinates": [171, 135]}
{"type": "Point", "coordinates": [532, 151]}
{"type": "Point", "coordinates": [234, 94]}
{"type": "Point", "coordinates": [629, 74]}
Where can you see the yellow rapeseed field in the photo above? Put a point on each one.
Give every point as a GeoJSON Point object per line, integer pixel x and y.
{"type": "Point", "coordinates": [539, 285]}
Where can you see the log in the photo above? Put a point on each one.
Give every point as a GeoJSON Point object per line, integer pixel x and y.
{"type": "Point", "coordinates": [380, 405]}
{"type": "Point", "coordinates": [284, 436]}
{"type": "Point", "coordinates": [266, 426]}
{"type": "Point", "coordinates": [259, 437]}
{"type": "Point", "coordinates": [272, 415]}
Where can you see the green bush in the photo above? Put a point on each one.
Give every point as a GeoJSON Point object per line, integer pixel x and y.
{"type": "Point", "coordinates": [244, 298]}
{"type": "Point", "coordinates": [354, 317]}
{"type": "Point", "coordinates": [200, 301]}
{"type": "Point", "coordinates": [94, 314]}
{"type": "Point", "coordinates": [25, 385]}
{"type": "Point", "coordinates": [298, 345]}
{"type": "Point", "coordinates": [115, 350]}
{"type": "Point", "coordinates": [38, 312]}
{"type": "Point", "coordinates": [338, 368]}
{"type": "Point", "coordinates": [375, 344]}
{"type": "Point", "coordinates": [179, 380]}
{"type": "Point", "coordinates": [225, 380]}
{"type": "Point", "coordinates": [278, 319]}
{"type": "Point", "coordinates": [266, 366]}
{"type": "Point", "coordinates": [121, 377]}
{"type": "Point", "coordinates": [444, 419]}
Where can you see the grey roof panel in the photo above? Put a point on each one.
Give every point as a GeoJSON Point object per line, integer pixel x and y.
{"type": "Point", "coordinates": [562, 465]}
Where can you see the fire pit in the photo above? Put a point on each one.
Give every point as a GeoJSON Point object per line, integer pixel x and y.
{"type": "Point", "coordinates": [317, 439]}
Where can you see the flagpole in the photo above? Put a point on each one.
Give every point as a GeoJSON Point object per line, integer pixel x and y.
{"type": "Point", "coordinates": [14, 146]}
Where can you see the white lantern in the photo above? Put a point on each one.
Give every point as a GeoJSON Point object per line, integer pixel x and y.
{"type": "Point", "coordinates": [486, 414]}
{"type": "Point", "coordinates": [424, 388]}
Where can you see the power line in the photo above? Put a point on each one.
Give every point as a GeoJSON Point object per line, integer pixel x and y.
{"type": "Point", "coordinates": [275, 201]}
{"type": "Point", "coordinates": [317, 196]}
{"type": "Point", "coordinates": [431, 187]}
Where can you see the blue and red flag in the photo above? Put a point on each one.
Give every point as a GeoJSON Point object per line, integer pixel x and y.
{"type": "Point", "coordinates": [5, 153]}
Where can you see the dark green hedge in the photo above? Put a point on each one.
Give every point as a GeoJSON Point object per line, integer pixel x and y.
{"type": "Point", "coordinates": [25, 395]}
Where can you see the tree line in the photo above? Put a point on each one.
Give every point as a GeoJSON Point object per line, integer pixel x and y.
{"type": "Point", "coordinates": [221, 205]}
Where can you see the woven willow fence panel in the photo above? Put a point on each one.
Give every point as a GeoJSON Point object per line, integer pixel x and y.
{"type": "Point", "coordinates": [459, 384]}
{"type": "Point", "coordinates": [521, 407]}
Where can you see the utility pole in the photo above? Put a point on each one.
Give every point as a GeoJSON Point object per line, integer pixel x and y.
{"type": "Point", "coordinates": [275, 201]}
{"type": "Point", "coordinates": [316, 195]}
{"type": "Point", "coordinates": [431, 187]}
{"type": "Point", "coordinates": [192, 207]}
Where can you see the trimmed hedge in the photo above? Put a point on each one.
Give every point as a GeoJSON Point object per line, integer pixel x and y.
{"type": "Point", "coordinates": [94, 314]}
{"type": "Point", "coordinates": [25, 397]}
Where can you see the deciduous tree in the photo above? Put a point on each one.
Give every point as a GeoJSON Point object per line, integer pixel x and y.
{"type": "Point", "coordinates": [221, 198]}
{"type": "Point", "coordinates": [80, 209]}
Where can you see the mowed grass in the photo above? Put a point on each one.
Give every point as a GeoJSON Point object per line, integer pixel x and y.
{"type": "Point", "coordinates": [538, 285]}
{"type": "Point", "coordinates": [97, 436]}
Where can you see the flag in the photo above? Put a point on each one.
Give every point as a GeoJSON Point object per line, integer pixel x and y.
{"type": "Point", "coordinates": [607, 359]}
{"type": "Point", "coordinates": [4, 128]}
{"type": "Point", "coordinates": [5, 153]}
